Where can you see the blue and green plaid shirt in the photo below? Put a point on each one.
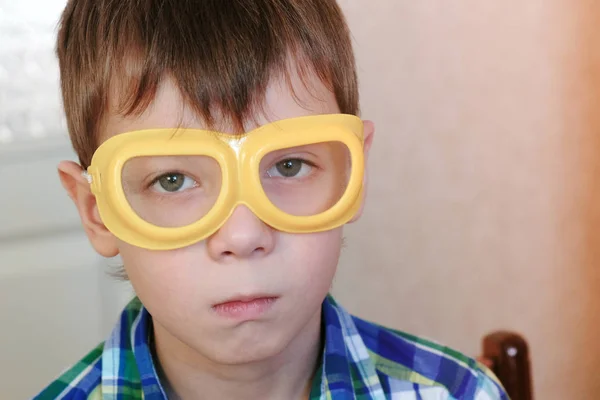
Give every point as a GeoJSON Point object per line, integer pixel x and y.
{"type": "Point", "coordinates": [360, 360]}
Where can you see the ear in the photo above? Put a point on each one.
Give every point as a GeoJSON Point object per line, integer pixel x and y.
{"type": "Point", "coordinates": [78, 189]}
{"type": "Point", "coordinates": [369, 133]}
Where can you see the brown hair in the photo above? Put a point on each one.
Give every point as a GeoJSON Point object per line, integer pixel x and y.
{"type": "Point", "coordinates": [221, 54]}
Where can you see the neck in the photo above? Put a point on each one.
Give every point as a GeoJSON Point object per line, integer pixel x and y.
{"type": "Point", "coordinates": [186, 374]}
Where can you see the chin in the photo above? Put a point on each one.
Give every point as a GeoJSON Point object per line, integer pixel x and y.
{"type": "Point", "coordinates": [247, 350]}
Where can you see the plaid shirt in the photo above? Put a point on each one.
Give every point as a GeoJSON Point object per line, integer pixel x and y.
{"type": "Point", "coordinates": [361, 361]}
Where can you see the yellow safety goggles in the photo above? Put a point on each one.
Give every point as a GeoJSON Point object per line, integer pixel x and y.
{"type": "Point", "coordinates": [164, 189]}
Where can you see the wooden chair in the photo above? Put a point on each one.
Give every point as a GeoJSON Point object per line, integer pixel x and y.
{"type": "Point", "coordinates": [508, 354]}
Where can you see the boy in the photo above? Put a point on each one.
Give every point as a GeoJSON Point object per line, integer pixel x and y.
{"type": "Point", "coordinates": [220, 156]}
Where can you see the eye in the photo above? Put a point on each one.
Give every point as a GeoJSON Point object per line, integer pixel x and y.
{"type": "Point", "coordinates": [173, 182]}
{"type": "Point", "coordinates": [290, 168]}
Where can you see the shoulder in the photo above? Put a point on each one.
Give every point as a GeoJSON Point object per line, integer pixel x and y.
{"type": "Point", "coordinates": [82, 381]}
{"type": "Point", "coordinates": [114, 358]}
{"type": "Point", "coordinates": [407, 363]}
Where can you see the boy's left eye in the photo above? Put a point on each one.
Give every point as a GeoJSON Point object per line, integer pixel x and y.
{"type": "Point", "coordinates": [290, 168]}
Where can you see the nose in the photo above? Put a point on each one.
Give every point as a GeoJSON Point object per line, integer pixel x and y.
{"type": "Point", "coordinates": [243, 235]}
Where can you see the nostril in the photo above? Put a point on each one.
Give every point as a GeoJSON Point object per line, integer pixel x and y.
{"type": "Point", "coordinates": [244, 252]}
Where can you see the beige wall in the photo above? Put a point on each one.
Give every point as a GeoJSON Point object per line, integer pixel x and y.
{"type": "Point", "coordinates": [484, 196]}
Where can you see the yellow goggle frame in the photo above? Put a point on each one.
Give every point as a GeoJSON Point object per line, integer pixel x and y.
{"type": "Point", "coordinates": [239, 158]}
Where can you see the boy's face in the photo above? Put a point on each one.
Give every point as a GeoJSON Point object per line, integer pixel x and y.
{"type": "Point", "coordinates": [184, 289]}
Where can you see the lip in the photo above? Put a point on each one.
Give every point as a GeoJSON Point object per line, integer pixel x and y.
{"type": "Point", "coordinates": [248, 297]}
{"type": "Point", "coordinates": [245, 307]}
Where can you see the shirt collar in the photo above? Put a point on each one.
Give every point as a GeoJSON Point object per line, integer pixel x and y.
{"type": "Point", "coordinates": [127, 360]}
{"type": "Point", "coordinates": [346, 369]}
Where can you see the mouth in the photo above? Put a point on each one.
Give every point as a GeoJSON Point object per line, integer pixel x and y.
{"type": "Point", "coordinates": [245, 308]}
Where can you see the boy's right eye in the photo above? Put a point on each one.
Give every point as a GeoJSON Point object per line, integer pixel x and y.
{"type": "Point", "coordinates": [173, 182]}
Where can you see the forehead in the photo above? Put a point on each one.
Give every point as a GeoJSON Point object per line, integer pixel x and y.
{"type": "Point", "coordinates": [286, 97]}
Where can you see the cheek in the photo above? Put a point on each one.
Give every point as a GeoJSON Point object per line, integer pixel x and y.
{"type": "Point", "coordinates": [314, 260]}
{"type": "Point", "coordinates": [165, 279]}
